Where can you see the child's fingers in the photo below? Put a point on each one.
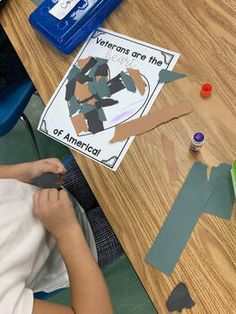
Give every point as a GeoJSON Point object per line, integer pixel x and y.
{"type": "Point", "coordinates": [49, 166]}
{"type": "Point", "coordinates": [43, 198]}
{"type": "Point", "coordinates": [58, 166]}
{"type": "Point", "coordinates": [52, 165]}
{"type": "Point", "coordinates": [53, 195]}
{"type": "Point", "coordinates": [36, 200]}
{"type": "Point", "coordinates": [63, 195]}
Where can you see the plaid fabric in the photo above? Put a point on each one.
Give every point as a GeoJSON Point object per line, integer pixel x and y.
{"type": "Point", "coordinates": [108, 246]}
{"type": "Point", "coordinates": [76, 184]}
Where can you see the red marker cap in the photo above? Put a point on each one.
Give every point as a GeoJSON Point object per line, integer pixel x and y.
{"type": "Point", "coordinates": [206, 90]}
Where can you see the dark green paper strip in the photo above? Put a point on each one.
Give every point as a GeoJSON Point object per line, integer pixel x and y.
{"type": "Point", "coordinates": [233, 176]}
{"type": "Point", "coordinates": [166, 76]}
{"type": "Point", "coordinates": [181, 220]}
{"type": "Point", "coordinates": [221, 202]}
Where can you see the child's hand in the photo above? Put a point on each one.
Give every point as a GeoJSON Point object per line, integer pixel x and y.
{"type": "Point", "coordinates": [34, 169]}
{"type": "Point", "coordinates": [27, 171]}
{"type": "Point", "coordinates": [54, 209]}
{"type": "Point", "coordinates": [39, 167]}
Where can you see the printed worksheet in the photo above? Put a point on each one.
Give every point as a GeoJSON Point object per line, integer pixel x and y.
{"type": "Point", "coordinates": [113, 80]}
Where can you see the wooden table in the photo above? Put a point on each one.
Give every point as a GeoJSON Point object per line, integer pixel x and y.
{"type": "Point", "coordinates": [137, 198]}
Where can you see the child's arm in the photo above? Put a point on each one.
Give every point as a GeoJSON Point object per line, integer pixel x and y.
{"type": "Point", "coordinates": [89, 292]}
{"type": "Point", "coordinates": [26, 172]}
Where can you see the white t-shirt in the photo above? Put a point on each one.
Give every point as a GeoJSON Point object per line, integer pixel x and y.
{"type": "Point", "coordinates": [29, 258]}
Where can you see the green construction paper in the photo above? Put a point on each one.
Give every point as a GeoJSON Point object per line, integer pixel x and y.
{"type": "Point", "coordinates": [93, 87]}
{"type": "Point", "coordinates": [221, 201]}
{"type": "Point", "coordinates": [233, 176]}
{"type": "Point", "coordinates": [101, 114]}
{"type": "Point", "coordinates": [99, 88]}
{"type": "Point", "coordinates": [166, 76]}
{"type": "Point", "coordinates": [74, 106]}
{"type": "Point", "coordinates": [38, 2]}
{"type": "Point", "coordinates": [234, 167]}
{"type": "Point", "coordinates": [93, 70]}
{"type": "Point", "coordinates": [181, 220]}
{"type": "Point", "coordinates": [48, 181]}
{"type": "Point", "coordinates": [102, 88]}
{"type": "Point", "coordinates": [85, 107]}
{"type": "Point", "coordinates": [128, 82]}
{"type": "Point", "coordinates": [73, 72]}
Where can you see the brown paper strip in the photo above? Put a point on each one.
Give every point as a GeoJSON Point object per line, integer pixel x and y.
{"type": "Point", "coordinates": [82, 91]}
{"type": "Point", "coordinates": [82, 62]}
{"type": "Point", "coordinates": [149, 122]}
{"type": "Point", "coordinates": [79, 123]}
{"type": "Point", "coordinates": [169, 151]}
{"type": "Point", "coordinates": [136, 76]}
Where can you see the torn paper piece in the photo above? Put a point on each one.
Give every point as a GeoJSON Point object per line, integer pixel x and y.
{"type": "Point", "coordinates": [179, 299]}
{"type": "Point", "coordinates": [166, 76]}
{"type": "Point", "coordinates": [149, 122]}
{"type": "Point", "coordinates": [169, 151]}
{"type": "Point", "coordinates": [181, 220]}
{"type": "Point", "coordinates": [79, 123]}
{"type": "Point", "coordinates": [221, 202]}
{"type": "Point", "coordinates": [233, 176]}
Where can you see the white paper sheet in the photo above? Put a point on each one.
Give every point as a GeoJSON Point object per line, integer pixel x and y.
{"type": "Point", "coordinates": [121, 53]}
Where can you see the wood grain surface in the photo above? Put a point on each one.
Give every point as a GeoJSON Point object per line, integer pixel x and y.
{"type": "Point", "coordinates": [138, 196]}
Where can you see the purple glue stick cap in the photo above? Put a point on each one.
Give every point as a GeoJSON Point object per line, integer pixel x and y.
{"type": "Point", "coordinates": [199, 137]}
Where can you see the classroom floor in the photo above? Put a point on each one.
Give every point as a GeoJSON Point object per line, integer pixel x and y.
{"type": "Point", "coordinates": [127, 293]}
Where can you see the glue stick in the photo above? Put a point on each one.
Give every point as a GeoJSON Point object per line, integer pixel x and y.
{"type": "Point", "coordinates": [197, 141]}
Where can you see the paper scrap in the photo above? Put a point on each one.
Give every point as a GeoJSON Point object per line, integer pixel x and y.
{"type": "Point", "coordinates": [179, 299]}
{"type": "Point", "coordinates": [49, 181]}
{"type": "Point", "coordinates": [166, 76]}
{"type": "Point", "coordinates": [233, 176]}
{"type": "Point", "coordinates": [169, 151]}
{"type": "Point", "coordinates": [181, 220]}
{"type": "Point", "coordinates": [149, 122]}
{"type": "Point", "coordinates": [222, 199]}
{"type": "Point", "coordinates": [135, 74]}
{"type": "Point", "coordinates": [79, 123]}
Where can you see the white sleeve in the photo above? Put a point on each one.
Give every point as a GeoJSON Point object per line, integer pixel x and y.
{"type": "Point", "coordinates": [25, 302]}
{"type": "Point", "coordinates": [17, 302]}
